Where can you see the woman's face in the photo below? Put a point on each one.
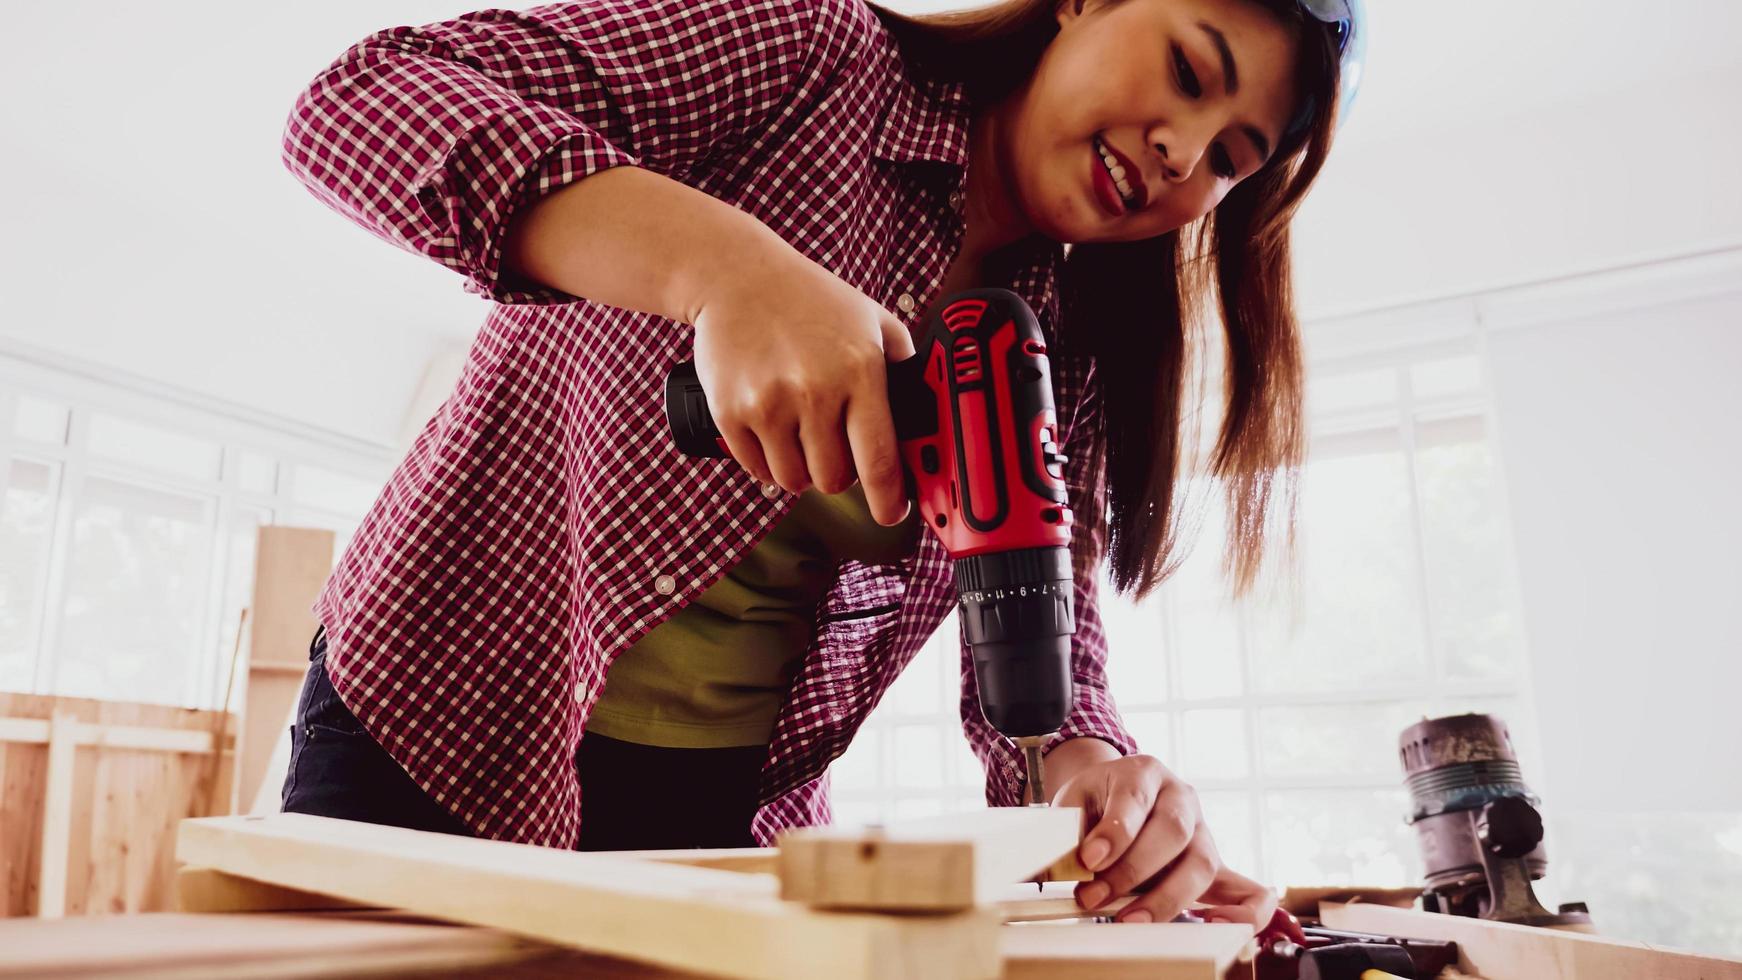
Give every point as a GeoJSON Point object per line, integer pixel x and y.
{"type": "Point", "coordinates": [1142, 114]}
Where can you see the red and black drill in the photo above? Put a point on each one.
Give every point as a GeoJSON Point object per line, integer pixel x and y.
{"type": "Point", "coordinates": [973, 412]}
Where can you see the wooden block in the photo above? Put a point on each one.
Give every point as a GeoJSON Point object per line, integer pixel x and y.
{"type": "Point", "coordinates": [205, 890]}
{"type": "Point", "coordinates": [1506, 951]}
{"type": "Point", "coordinates": [1148, 951]}
{"type": "Point", "coordinates": [938, 864]}
{"type": "Point", "coordinates": [687, 918]}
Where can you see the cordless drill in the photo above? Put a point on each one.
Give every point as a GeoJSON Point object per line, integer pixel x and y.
{"type": "Point", "coordinates": [974, 416]}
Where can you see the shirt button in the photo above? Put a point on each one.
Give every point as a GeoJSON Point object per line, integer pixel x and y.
{"type": "Point", "coordinates": [956, 199]}
{"type": "Point", "coordinates": [770, 490]}
{"type": "Point", "coordinates": [665, 585]}
{"type": "Point", "coordinates": [904, 302]}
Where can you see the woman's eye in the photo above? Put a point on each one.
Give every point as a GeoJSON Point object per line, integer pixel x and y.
{"type": "Point", "coordinates": [1221, 164]}
{"type": "Point", "coordinates": [1188, 79]}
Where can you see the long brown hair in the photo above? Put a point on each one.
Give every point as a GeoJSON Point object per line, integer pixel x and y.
{"type": "Point", "coordinates": [1133, 307]}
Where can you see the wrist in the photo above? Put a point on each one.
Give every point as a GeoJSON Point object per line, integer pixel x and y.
{"type": "Point", "coordinates": [1071, 756]}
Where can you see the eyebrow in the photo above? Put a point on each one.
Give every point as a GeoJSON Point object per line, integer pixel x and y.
{"type": "Point", "coordinates": [1230, 71]}
{"type": "Point", "coordinates": [1231, 83]}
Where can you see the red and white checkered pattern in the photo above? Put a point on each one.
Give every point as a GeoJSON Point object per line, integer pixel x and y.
{"type": "Point", "coordinates": [514, 552]}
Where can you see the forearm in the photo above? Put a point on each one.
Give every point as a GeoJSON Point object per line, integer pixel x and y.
{"type": "Point", "coordinates": [635, 239]}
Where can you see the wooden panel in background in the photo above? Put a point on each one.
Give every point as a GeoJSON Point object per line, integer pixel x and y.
{"type": "Point", "coordinates": [290, 566]}
{"type": "Point", "coordinates": [127, 798]}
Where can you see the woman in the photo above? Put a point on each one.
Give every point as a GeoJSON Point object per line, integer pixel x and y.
{"type": "Point", "coordinates": [551, 628]}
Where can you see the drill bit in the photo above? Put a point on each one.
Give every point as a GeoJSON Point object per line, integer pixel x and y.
{"type": "Point", "coordinates": [1030, 746]}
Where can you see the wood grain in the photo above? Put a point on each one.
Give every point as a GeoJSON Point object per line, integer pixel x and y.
{"type": "Point", "coordinates": [686, 918]}
{"type": "Point", "coordinates": [1505, 951]}
{"type": "Point", "coordinates": [939, 864]}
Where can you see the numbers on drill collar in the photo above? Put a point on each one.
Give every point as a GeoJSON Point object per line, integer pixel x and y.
{"type": "Point", "coordinates": [1019, 591]}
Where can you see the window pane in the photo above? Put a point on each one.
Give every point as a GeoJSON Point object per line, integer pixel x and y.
{"type": "Point", "coordinates": [40, 420]}
{"type": "Point", "coordinates": [1360, 616]}
{"type": "Point", "coordinates": [152, 447]}
{"type": "Point", "coordinates": [1215, 744]}
{"type": "Point", "coordinates": [136, 586]}
{"type": "Point", "coordinates": [26, 527]}
{"type": "Point", "coordinates": [1351, 392]}
{"type": "Point", "coordinates": [256, 473]}
{"type": "Point", "coordinates": [1340, 837]}
{"type": "Point", "coordinates": [1228, 814]}
{"type": "Point", "coordinates": [920, 688]}
{"type": "Point", "coordinates": [1208, 649]}
{"type": "Point", "coordinates": [1136, 664]}
{"type": "Point", "coordinates": [1154, 737]}
{"type": "Point", "coordinates": [1451, 376]}
{"type": "Point", "coordinates": [340, 493]}
{"type": "Point", "coordinates": [860, 768]}
{"type": "Point", "coordinates": [1471, 584]}
{"type": "Point", "coordinates": [918, 762]}
{"type": "Point", "coordinates": [1346, 740]}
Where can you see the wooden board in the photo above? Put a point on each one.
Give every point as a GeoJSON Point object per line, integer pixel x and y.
{"type": "Point", "coordinates": [290, 566]}
{"type": "Point", "coordinates": [194, 947]}
{"type": "Point", "coordinates": [1504, 951]}
{"type": "Point", "coordinates": [950, 862]}
{"type": "Point", "coordinates": [1147, 951]}
{"type": "Point", "coordinates": [687, 918]}
{"type": "Point", "coordinates": [137, 770]}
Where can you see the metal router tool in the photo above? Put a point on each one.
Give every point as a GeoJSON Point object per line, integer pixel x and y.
{"type": "Point", "coordinates": [1478, 824]}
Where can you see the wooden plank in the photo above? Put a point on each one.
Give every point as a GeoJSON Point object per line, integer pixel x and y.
{"type": "Point", "coordinates": [1146, 951]}
{"type": "Point", "coordinates": [192, 946]}
{"type": "Point", "coordinates": [290, 566]}
{"type": "Point", "coordinates": [57, 818]}
{"type": "Point", "coordinates": [745, 860]}
{"type": "Point", "coordinates": [687, 918]}
{"type": "Point", "coordinates": [1506, 951]}
{"type": "Point", "coordinates": [29, 731]}
{"type": "Point", "coordinates": [205, 890]}
{"type": "Point", "coordinates": [950, 862]}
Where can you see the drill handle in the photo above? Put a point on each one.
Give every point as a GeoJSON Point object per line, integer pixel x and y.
{"type": "Point", "coordinates": [911, 406]}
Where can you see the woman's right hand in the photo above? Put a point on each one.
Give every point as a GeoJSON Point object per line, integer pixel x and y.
{"type": "Point", "coordinates": [794, 362]}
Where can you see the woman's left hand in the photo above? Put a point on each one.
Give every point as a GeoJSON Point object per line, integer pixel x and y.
{"type": "Point", "coordinates": [1145, 829]}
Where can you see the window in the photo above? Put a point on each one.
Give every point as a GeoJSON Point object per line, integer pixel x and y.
{"type": "Point", "coordinates": [127, 534]}
{"type": "Point", "coordinates": [1284, 710]}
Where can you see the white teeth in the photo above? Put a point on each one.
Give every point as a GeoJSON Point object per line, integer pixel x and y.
{"type": "Point", "coordinates": [1115, 171]}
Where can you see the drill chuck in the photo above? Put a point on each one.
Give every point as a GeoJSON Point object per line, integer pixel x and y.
{"type": "Point", "coordinates": [1017, 619]}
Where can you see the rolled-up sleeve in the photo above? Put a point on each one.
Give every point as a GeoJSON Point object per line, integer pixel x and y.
{"type": "Point", "coordinates": [1094, 714]}
{"type": "Point", "coordinates": [432, 137]}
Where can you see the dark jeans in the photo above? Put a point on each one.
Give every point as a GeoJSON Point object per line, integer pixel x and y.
{"type": "Point", "coordinates": [632, 796]}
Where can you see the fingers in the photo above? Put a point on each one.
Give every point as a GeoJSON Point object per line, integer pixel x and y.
{"type": "Point", "coordinates": [825, 453]}
{"type": "Point", "coordinates": [897, 341]}
{"type": "Point", "coordinates": [876, 456]}
{"type": "Point", "coordinates": [1146, 820]}
{"type": "Point", "coordinates": [1184, 879]}
{"type": "Point", "coordinates": [1233, 897]}
{"type": "Point", "coordinates": [742, 443]}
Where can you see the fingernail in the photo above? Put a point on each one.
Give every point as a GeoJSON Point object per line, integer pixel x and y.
{"type": "Point", "coordinates": [1138, 916]}
{"type": "Point", "coordinates": [1093, 894]}
{"type": "Point", "coordinates": [1095, 852]}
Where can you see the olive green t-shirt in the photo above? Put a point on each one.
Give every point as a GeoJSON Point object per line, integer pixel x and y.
{"type": "Point", "coordinates": [715, 673]}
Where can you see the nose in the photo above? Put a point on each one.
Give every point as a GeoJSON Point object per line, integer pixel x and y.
{"type": "Point", "coordinates": [1179, 151]}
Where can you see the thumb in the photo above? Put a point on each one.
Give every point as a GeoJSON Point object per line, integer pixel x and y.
{"type": "Point", "coordinates": [897, 342]}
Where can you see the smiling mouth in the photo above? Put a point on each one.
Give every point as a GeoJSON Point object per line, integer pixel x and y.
{"type": "Point", "coordinates": [1125, 178]}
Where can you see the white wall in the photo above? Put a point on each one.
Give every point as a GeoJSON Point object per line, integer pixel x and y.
{"type": "Point", "coordinates": [1621, 435]}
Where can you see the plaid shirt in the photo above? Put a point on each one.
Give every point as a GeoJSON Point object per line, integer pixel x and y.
{"type": "Point", "coordinates": [543, 522]}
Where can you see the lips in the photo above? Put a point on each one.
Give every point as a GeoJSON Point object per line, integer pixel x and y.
{"type": "Point", "coordinates": [1133, 175]}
